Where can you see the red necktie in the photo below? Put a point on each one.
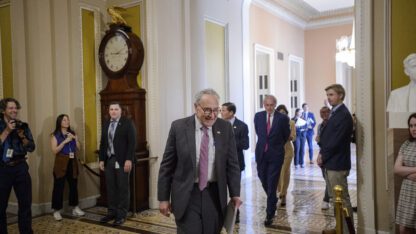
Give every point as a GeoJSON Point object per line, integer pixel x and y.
{"type": "Point", "coordinates": [203, 160]}
{"type": "Point", "coordinates": [268, 124]}
{"type": "Point", "coordinates": [268, 131]}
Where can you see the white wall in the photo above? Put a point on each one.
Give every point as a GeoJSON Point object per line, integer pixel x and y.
{"type": "Point", "coordinates": [175, 55]}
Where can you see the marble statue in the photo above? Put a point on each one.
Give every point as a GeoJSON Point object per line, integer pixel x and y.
{"type": "Point", "coordinates": [403, 99]}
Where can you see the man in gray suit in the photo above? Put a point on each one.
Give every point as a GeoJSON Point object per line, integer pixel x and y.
{"type": "Point", "coordinates": [199, 163]}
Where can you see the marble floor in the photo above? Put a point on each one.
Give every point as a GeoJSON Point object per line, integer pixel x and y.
{"type": "Point", "coordinates": [302, 213]}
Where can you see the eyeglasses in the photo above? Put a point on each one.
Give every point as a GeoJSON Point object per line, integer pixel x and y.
{"type": "Point", "coordinates": [208, 111]}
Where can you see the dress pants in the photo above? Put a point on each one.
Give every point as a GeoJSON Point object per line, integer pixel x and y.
{"type": "Point", "coordinates": [309, 139]}
{"type": "Point", "coordinates": [340, 178]}
{"type": "Point", "coordinates": [326, 196]}
{"type": "Point", "coordinates": [203, 214]}
{"type": "Point", "coordinates": [118, 190]}
{"type": "Point", "coordinates": [58, 188]}
{"type": "Point", "coordinates": [268, 171]}
{"type": "Point", "coordinates": [285, 173]}
{"type": "Point", "coordinates": [299, 147]}
{"type": "Point", "coordinates": [17, 177]}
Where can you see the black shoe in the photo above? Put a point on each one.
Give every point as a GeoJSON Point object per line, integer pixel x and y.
{"type": "Point", "coordinates": [283, 201]}
{"type": "Point", "coordinates": [237, 217]}
{"type": "Point", "coordinates": [119, 222]}
{"type": "Point", "coordinates": [107, 218]}
{"type": "Point", "coordinates": [268, 221]}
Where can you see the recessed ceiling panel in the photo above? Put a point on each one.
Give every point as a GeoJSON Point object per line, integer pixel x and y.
{"type": "Point", "coordinates": [328, 5]}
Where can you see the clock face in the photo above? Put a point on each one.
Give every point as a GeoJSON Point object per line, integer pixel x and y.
{"type": "Point", "coordinates": [116, 53]}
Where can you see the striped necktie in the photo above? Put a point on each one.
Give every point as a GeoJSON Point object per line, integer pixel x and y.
{"type": "Point", "coordinates": [111, 138]}
{"type": "Point", "coordinates": [203, 159]}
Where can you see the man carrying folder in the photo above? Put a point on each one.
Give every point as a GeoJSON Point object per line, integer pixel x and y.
{"type": "Point", "coordinates": [199, 163]}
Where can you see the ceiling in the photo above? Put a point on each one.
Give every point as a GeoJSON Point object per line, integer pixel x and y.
{"type": "Point", "coordinates": [329, 5]}
{"type": "Point", "coordinates": [311, 13]}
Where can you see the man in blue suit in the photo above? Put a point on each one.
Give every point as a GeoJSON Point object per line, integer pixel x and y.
{"type": "Point", "coordinates": [335, 143]}
{"type": "Point", "coordinates": [309, 117]}
{"type": "Point", "coordinates": [273, 130]}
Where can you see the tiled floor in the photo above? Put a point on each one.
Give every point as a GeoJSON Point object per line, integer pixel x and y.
{"type": "Point", "coordinates": [302, 213]}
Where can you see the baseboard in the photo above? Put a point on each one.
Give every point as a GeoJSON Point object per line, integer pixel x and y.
{"type": "Point", "coordinates": [371, 231]}
{"type": "Point", "coordinates": [42, 208]}
{"type": "Point", "coordinates": [383, 232]}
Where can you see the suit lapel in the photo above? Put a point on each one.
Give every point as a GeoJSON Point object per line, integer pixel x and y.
{"type": "Point", "coordinates": [216, 134]}
{"type": "Point", "coordinates": [190, 135]}
{"type": "Point", "coordinates": [274, 123]}
{"type": "Point", "coordinates": [332, 118]}
{"type": "Point", "coordinates": [118, 128]}
{"type": "Point", "coordinates": [263, 121]}
{"type": "Point", "coordinates": [236, 126]}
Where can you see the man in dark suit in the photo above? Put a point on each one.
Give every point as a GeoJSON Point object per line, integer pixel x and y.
{"type": "Point", "coordinates": [199, 163]}
{"type": "Point", "coordinates": [117, 155]}
{"type": "Point", "coordinates": [273, 130]}
{"type": "Point", "coordinates": [240, 129]}
{"type": "Point", "coordinates": [335, 141]}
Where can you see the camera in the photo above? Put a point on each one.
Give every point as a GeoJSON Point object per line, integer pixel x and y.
{"type": "Point", "coordinates": [18, 124]}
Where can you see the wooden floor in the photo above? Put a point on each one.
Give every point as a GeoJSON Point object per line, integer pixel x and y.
{"type": "Point", "coordinates": [302, 213]}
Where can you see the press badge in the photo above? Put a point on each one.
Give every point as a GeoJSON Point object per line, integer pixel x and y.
{"type": "Point", "coordinates": [71, 155]}
{"type": "Point", "coordinates": [9, 153]}
{"type": "Point", "coordinates": [117, 166]}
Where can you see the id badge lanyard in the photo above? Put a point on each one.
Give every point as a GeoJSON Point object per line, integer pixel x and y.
{"type": "Point", "coordinates": [71, 153]}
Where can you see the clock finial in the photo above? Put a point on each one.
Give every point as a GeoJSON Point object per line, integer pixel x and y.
{"type": "Point", "coordinates": [116, 17]}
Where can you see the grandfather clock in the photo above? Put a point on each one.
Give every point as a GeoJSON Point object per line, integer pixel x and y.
{"type": "Point", "coordinates": [121, 55]}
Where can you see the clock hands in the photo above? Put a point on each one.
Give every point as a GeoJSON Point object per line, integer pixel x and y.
{"type": "Point", "coordinates": [118, 52]}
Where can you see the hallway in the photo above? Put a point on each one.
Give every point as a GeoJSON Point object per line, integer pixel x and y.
{"type": "Point", "coordinates": [302, 213]}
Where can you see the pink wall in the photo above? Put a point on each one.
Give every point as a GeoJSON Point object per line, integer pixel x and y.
{"type": "Point", "coordinates": [320, 50]}
{"type": "Point", "coordinates": [270, 31]}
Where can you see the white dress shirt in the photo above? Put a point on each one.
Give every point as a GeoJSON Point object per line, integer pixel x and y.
{"type": "Point", "coordinates": [211, 151]}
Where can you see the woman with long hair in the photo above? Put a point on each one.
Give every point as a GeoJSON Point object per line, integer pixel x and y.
{"type": "Point", "coordinates": [65, 145]}
{"type": "Point", "coordinates": [405, 166]}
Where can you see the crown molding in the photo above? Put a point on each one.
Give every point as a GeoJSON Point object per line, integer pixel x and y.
{"type": "Point", "coordinates": [280, 12]}
{"type": "Point", "coordinates": [323, 23]}
{"type": "Point", "coordinates": [307, 20]}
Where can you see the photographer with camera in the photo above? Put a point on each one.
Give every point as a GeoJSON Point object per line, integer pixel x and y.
{"type": "Point", "coordinates": [15, 141]}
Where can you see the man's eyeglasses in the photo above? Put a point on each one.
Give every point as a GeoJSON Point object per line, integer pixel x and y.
{"type": "Point", "coordinates": [208, 111]}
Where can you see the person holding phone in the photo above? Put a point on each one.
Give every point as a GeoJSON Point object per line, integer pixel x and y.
{"type": "Point", "coordinates": [65, 145]}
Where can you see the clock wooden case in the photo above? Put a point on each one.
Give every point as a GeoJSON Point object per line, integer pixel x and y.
{"type": "Point", "coordinates": [121, 55]}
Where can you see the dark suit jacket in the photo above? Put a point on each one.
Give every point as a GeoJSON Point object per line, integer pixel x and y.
{"type": "Point", "coordinates": [177, 169]}
{"type": "Point", "coordinates": [241, 140]}
{"type": "Point", "coordinates": [124, 141]}
{"type": "Point", "coordinates": [279, 133]}
{"type": "Point", "coordinates": [335, 140]}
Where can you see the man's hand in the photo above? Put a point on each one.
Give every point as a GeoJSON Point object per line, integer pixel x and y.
{"type": "Point", "coordinates": [21, 133]}
{"type": "Point", "coordinates": [102, 165]}
{"type": "Point", "coordinates": [237, 202]}
{"type": "Point", "coordinates": [412, 177]}
{"type": "Point", "coordinates": [11, 125]}
{"type": "Point", "coordinates": [127, 166]}
{"type": "Point", "coordinates": [164, 208]}
{"type": "Point", "coordinates": [319, 160]}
